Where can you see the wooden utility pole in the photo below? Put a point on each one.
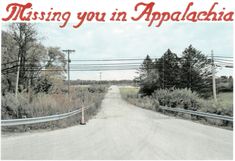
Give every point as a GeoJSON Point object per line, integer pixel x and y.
{"type": "Point", "coordinates": [213, 75]}
{"type": "Point", "coordinates": [68, 51]}
{"type": "Point", "coordinates": [190, 72]}
{"type": "Point", "coordinates": [100, 78]}
{"type": "Point", "coordinates": [163, 72]}
{"type": "Point", "coordinates": [30, 89]}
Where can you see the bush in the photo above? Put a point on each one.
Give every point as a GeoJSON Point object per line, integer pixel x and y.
{"type": "Point", "coordinates": [50, 104]}
{"type": "Point", "coordinates": [217, 108]}
{"type": "Point", "coordinates": [12, 107]}
{"type": "Point", "coordinates": [99, 89]}
{"type": "Point", "coordinates": [183, 98]}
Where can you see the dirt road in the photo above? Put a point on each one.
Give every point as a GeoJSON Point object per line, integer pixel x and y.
{"type": "Point", "coordinates": [123, 131]}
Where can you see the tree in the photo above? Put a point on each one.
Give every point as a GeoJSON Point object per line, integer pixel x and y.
{"type": "Point", "coordinates": [196, 72]}
{"type": "Point", "coordinates": [192, 71]}
{"type": "Point", "coordinates": [162, 73]}
{"type": "Point", "coordinates": [20, 42]}
{"type": "Point", "coordinates": [146, 67]}
{"type": "Point", "coordinates": [230, 81]}
{"type": "Point", "coordinates": [224, 84]}
{"type": "Point", "coordinates": [9, 60]}
{"type": "Point", "coordinates": [169, 70]}
{"type": "Point", "coordinates": [148, 78]}
{"type": "Point", "coordinates": [52, 71]}
{"type": "Point", "coordinates": [25, 36]}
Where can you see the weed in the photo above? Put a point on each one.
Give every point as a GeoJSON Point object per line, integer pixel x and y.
{"type": "Point", "coordinates": [51, 104]}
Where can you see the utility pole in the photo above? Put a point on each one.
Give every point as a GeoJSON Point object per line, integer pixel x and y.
{"type": "Point", "coordinates": [82, 121]}
{"type": "Point", "coordinates": [213, 75]}
{"type": "Point", "coordinates": [100, 78]}
{"type": "Point", "coordinates": [68, 51]}
{"type": "Point", "coordinates": [163, 72]}
{"type": "Point", "coordinates": [17, 77]}
{"type": "Point", "coordinates": [190, 72]}
{"type": "Point", "coordinates": [29, 87]}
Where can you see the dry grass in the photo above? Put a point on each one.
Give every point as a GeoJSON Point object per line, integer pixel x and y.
{"type": "Point", "coordinates": [51, 104]}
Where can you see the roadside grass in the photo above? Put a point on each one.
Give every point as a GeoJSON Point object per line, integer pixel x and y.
{"type": "Point", "coordinates": [51, 104]}
{"type": "Point", "coordinates": [183, 99]}
{"type": "Point", "coordinates": [129, 91]}
{"type": "Point", "coordinates": [225, 99]}
{"type": "Point", "coordinates": [130, 94]}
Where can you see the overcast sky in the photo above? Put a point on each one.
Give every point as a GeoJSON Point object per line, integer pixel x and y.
{"type": "Point", "coordinates": [114, 40]}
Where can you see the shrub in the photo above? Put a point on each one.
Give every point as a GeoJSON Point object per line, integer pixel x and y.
{"type": "Point", "coordinates": [12, 107]}
{"type": "Point", "coordinates": [50, 104]}
{"type": "Point", "coordinates": [183, 98]}
{"type": "Point", "coordinates": [99, 89]}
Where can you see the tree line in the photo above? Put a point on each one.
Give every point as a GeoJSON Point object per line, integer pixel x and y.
{"type": "Point", "coordinates": [24, 59]}
{"type": "Point", "coordinates": [192, 70]}
{"type": "Point", "coordinates": [102, 82]}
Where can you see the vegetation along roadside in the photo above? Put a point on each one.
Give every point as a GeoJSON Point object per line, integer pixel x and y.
{"type": "Point", "coordinates": [51, 104]}
{"type": "Point", "coordinates": [185, 99]}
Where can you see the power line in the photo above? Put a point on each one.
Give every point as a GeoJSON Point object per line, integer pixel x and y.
{"type": "Point", "coordinates": [89, 69]}
{"type": "Point", "coordinates": [121, 59]}
{"type": "Point", "coordinates": [94, 66]}
{"type": "Point", "coordinates": [218, 56]}
{"type": "Point", "coordinates": [224, 60]}
{"type": "Point", "coordinates": [223, 63]}
{"type": "Point", "coordinates": [109, 64]}
{"type": "Point", "coordinates": [230, 59]}
{"type": "Point", "coordinates": [127, 59]}
{"type": "Point", "coordinates": [9, 62]}
{"type": "Point", "coordinates": [227, 61]}
{"type": "Point", "coordinates": [99, 68]}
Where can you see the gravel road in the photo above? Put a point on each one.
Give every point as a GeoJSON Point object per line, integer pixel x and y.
{"type": "Point", "coordinates": [123, 131]}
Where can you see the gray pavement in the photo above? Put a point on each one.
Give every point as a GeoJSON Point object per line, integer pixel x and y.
{"type": "Point", "coordinates": [123, 131]}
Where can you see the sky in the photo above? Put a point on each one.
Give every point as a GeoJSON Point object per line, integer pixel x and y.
{"type": "Point", "coordinates": [135, 40]}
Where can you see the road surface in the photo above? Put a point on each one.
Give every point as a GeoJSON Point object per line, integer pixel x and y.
{"type": "Point", "coordinates": [123, 131]}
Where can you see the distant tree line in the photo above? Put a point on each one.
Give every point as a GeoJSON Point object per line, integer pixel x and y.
{"type": "Point", "coordinates": [224, 84]}
{"type": "Point", "coordinates": [103, 82]}
{"type": "Point", "coordinates": [192, 71]}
